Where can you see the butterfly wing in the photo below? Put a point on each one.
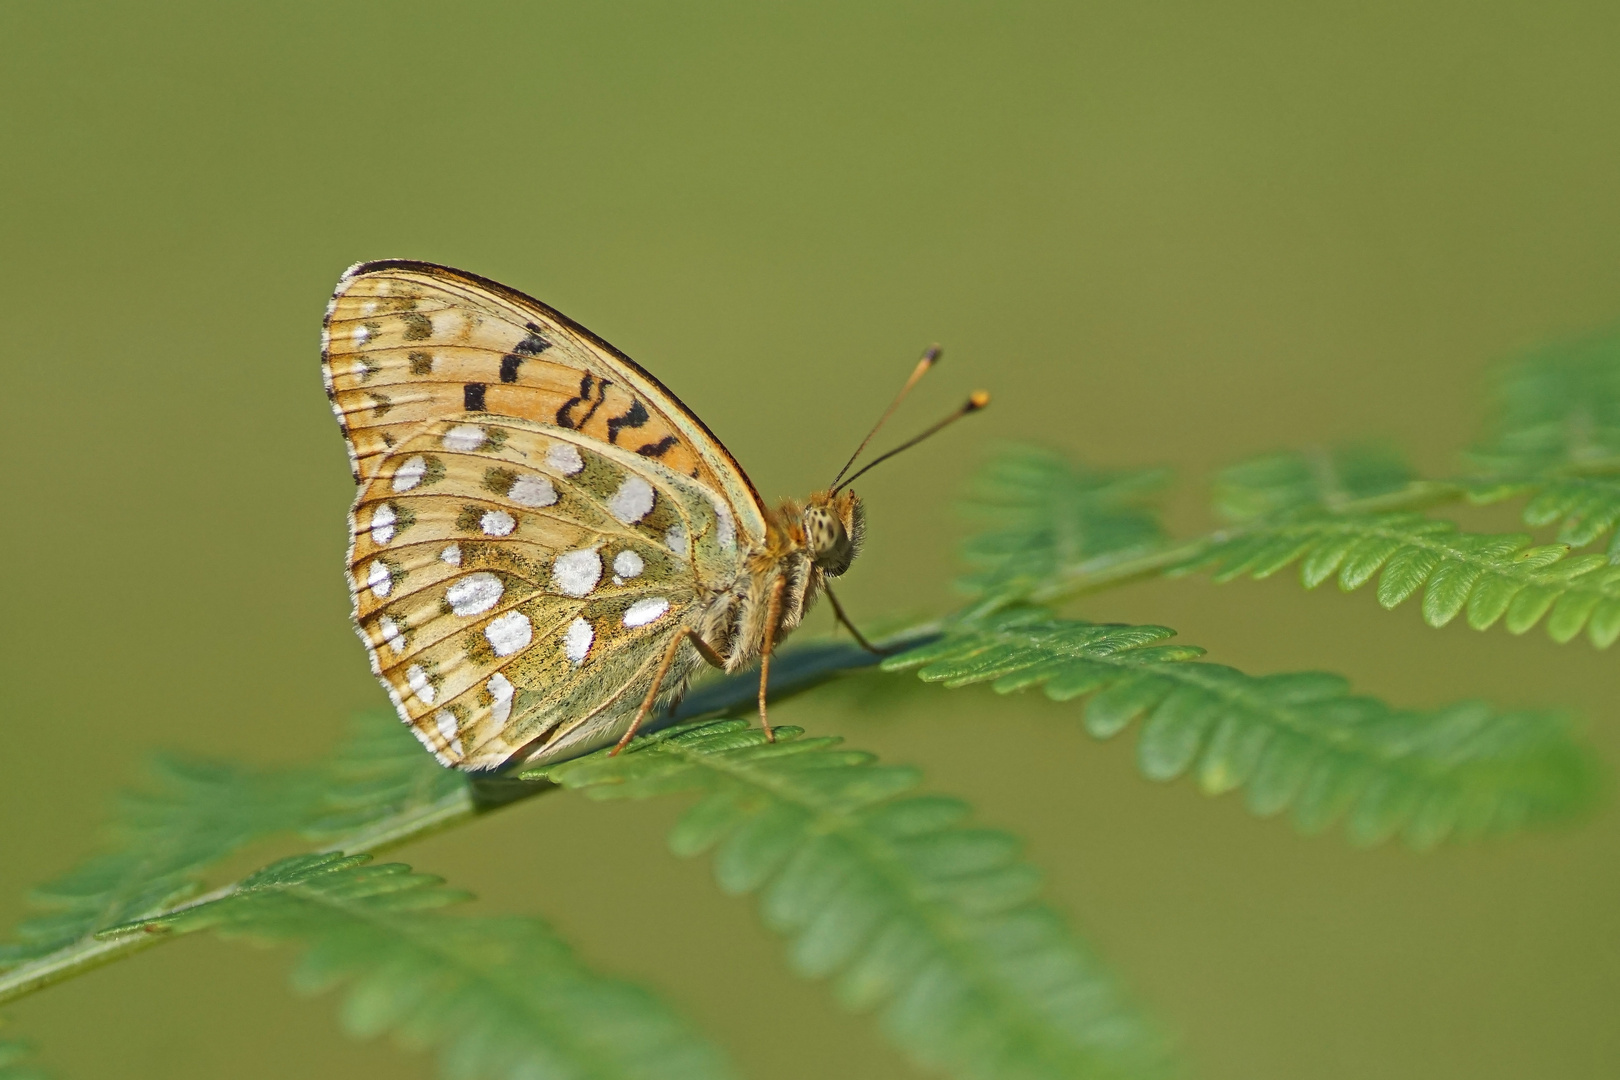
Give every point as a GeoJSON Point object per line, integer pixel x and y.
{"type": "Point", "coordinates": [410, 342]}
{"type": "Point", "coordinates": [517, 584]}
{"type": "Point", "coordinates": [536, 515]}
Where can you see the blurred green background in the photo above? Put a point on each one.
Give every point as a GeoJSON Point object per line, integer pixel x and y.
{"type": "Point", "coordinates": [1161, 233]}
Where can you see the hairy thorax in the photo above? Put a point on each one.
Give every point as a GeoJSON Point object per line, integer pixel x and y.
{"type": "Point", "coordinates": [805, 543]}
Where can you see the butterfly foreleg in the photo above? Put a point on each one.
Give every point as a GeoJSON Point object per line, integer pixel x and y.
{"type": "Point", "coordinates": [704, 649]}
{"type": "Point", "coordinates": [773, 615]}
{"type": "Point", "coordinates": [838, 612]}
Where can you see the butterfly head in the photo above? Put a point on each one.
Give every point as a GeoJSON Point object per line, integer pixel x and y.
{"type": "Point", "coordinates": [834, 524]}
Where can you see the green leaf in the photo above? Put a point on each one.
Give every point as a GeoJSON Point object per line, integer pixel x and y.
{"type": "Point", "coordinates": [885, 889]}
{"type": "Point", "coordinates": [1326, 479]}
{"type": "Point", "coordinates": [193, 815]}
{"type": "Point", "coordinates": [1299, 740]}
{"type": "Point", "coordinates": [1488, 575]}
{"type": "Point", "coordinates": [378, 772]}
{"type": "Point", "coordinates": [1556, 438]}
{"type": "Point", "coordinates": [1048, 516]}
{"type": "Point", "coordinates": [14, 1064]}
{"type": "Point", "coordinates": [499, 996]}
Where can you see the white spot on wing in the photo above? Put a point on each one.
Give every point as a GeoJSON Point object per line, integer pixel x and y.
{"type": "Point", "coordinates": [360, 334]}
{"type": "Point", "coordinates": [378, 579]}
{"type": "Point", "coordinates": [577, 640]}
{"type": "Point", "coordinates": [509, 632]}
{"type": "Point", "coordinates": [500, 689]}
{"type": "Point", "coordinates": [464, 437]}
{"type": "Point", "coordinates": [675, 539]}
{"type": "Point", "coordinates": [627, 564]}
{"type": "Point", "coordinates": [532, 490]}
{"type": "Point", "coordinates": [388, 630]}
{"type": "Point", "coordinates": [368, 308]}
{"type": "Point", "coordinates": [577, 572]}
{"type": "Point", "coordinates": [564, 457]}
{"type": "Point", "coordinates": [451, 555]}
{"type": "Point", "coordinates": [632, 501]}
{"type": "Point", "coordinates": [474, 594]}
{"type": "Point", "coordinates": [382, 524]}
{"type": "Point", "coordinates": [410, 474]}
{"type": "Point", "coordinates": [645, 611]}
{"type": "Point", "coordinates": [420, 686]}
{"type": "Point", "coordinates": [727, 532]}
{"type": "Point", "coordinates": [445, 721]}
{"type": "Point", "coordinates": [497, 523]}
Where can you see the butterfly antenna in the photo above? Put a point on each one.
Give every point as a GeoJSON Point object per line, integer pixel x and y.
{"type": "Point", "coordinates": [928, 360]}
{"type": "Point", "coordinates": [978, 400]}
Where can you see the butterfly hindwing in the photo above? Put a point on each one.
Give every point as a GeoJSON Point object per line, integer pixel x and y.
{"type": "Point", "coordinates": [516, 582]}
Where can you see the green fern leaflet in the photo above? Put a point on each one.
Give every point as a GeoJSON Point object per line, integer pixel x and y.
{"type": "Point", "coordinates": [14, 1064]}
{"type": "Point", "coordinates": [935, 922]}
{"type": "Point", "coordinates": [195, 814]}
{"type": "Point", "coordinates": [1049, 518]}
{"type": "Point", "coordinates": [500, 996]}
{"type": "Point", "coordinates": [1556, 438]}
{"type": "Point", "coordinates": [1297, 740]}
{"type": "Point", "coordinates": [1490, 577]}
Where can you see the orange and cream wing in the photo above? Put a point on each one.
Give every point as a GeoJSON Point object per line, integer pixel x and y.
{"type": "Point", "coordinates": [410, 343]}
{"type": "Point", "coordinates": [516, 583]}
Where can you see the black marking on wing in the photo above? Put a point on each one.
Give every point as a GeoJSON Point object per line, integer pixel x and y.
{"type": "Point", "coordinates": [591, 389]}
{"type": "Point", "coordinates": [565, 415]}
{"type": "Point", "coordinates": [532, 345]}
{"type": "Point", "coordinates": [472, 397]}
{"type": "Point", "coordinates": [635, 416]}
{"type": "Point", "coordinates": [601, 396]}
{"type": "Point", "coordinates": [659, 448]}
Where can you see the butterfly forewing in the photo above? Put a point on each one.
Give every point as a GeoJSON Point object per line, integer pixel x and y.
{"type": "Point", "coordinates": [536, 516]}
{"type": "Point", "coordinates": [408, 343]}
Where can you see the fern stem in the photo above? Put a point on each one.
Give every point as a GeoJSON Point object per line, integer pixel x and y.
{"type": "Point", "coordinates": [90, 953]}
{"type": "Point", "coordinates": [76, 959]}
{"type": "Point", "coordinates": [797, 669]}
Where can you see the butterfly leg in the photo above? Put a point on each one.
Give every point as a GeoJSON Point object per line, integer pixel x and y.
{"type": "Point", "coordinates": [773, 613]}
{"type": "Point", "coordinates": [838, 612]}
{"type": "Point", "coordinates": [704, 649]}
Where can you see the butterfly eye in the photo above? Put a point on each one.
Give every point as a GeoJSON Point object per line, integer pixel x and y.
{"type": "Point", "coordinates": [828, 541]}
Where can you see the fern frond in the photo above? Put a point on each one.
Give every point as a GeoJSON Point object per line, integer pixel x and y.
{"type": "Point", "coordinates": [378, 772]}
{"type": "Point", "coordinates": [1296, 740]}
{"type": "Point", "coordinates": [1049, 517]}
{"type": "Point", "coordinates": [1484, 577]}
{"type": "Point", "coordinates": [14, 1064]}
{"type": "Point", "coordinates": [499, 996]}
{"type": "Point", "coordinates": [195, 814]}
{"type": "Point", "coordinates": [1556, 437]}
{"type": "Point", "coordinates": [1334, 480]}
{"type": "Point", "coordinates": [936, 922]}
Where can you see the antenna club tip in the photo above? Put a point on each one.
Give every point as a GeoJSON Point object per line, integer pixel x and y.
{"type": "Point", "coordinates": [932, 354]}
{"type": "Point", "coordinates": [977, 400]}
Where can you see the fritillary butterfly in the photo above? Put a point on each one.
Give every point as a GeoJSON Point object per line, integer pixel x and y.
{"type": "Point", "coordinates": [546, 544]}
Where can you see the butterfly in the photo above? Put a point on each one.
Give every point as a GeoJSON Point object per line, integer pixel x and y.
{"type": "Point", "coordinates": [545, 543]}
